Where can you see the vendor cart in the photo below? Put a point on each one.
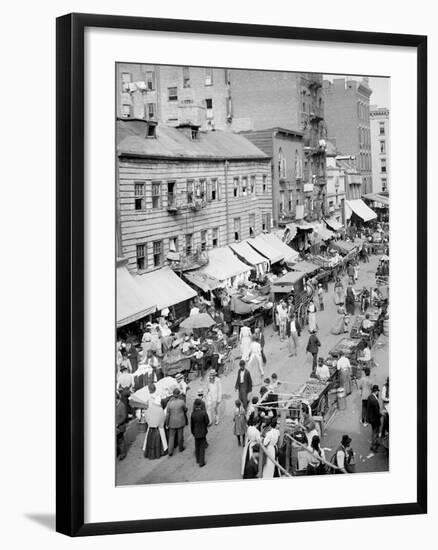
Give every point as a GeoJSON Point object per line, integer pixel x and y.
{"type": "Point", "coordinates": [174, 362]}
{"type": "Point", "coordinates": [349, 347]}
{"type": "Point", "coordinates": [292, 284]}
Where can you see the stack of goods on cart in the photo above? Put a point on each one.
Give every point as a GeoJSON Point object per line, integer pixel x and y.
{"type": "Point", "coordinates": [312, 389]}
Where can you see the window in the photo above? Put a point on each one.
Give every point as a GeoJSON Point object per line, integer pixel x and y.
{"type": "Point", "coordinates": [235, 187]}
{"type": "Point", "coordinates": [383, 165]}
{"type": "Point", "coordinates": [190, 191]}
{"type": "Point", "coordinates": [215, 237]}
{"type": "Point", "coordinates": [139, 199]}
{"type": "Point", "coordinates": [156, 195]}
{"type": "Point", "coordinates": [384, 184]}
{"type": "Point", "coordinates": [186, 77]}
{"type": "Point", "coordinates": [189, 244]}
{"type": "Point", "coordinates": [209, 106]}
{"type": "Point", "coordinates": [252, 225]}
{"type": "Point", "coordinates": [126, 79]}
{"type": "Point", "coordinates": [194, 133]}
{"type": "Point", "coordinates": [215, 191]}
{"type": "Point", "coordinates": [141, 256]}
{"type": "Point", "coordinates": [173, 244]}
{"type": "Point", "coordinates": [266, 222]}
{"type": "Point", "coordinates": [126, 110]}
{"type": "Point", "coordinates": [229, 107]}
{"type": "Point", "coordinates": [252, 184]}
{"type": "Point", "coordinates": [172, 93]}
{"type": "Point", "coordinates": [209, 77]}
{"type": "Point", "coordinates": [203, 240]}
{"type": "Point", "coordinates": [281, 204]}
{"type": "Point", "coordinates": [264, 183]}
{"type": "Point", "coordinates": [244, 186]}
{"type": "Point", "coordinates": [382, 147]}
{"type": "Point", "coordinates": [203, 189]}
{"type": "Point", "coordinates": [382, 128]}
{"type": "Point", "coordinates": [158, 253]}
{"type": "Point", "coordinates": [237, 229]}
{"type": "Point", "coordinates": [290, 201]}
{"type": "Point", "coordinates": [171, 195]}
{"type": "Point", "coordinates": [150, 80]}
{"type": "Point", "coordinates": [151, 110]}
{"type": "Point", "coordinates": [281, 163]}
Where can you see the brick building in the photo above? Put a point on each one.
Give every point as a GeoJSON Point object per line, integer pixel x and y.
{"type": "Point", "coordinates": [347, 114]}
{"type": "Point", "coordinates": [379, 119]}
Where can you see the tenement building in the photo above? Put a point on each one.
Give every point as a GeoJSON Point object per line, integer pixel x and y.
{"type": "Point", "coordinates": [347, 113]}
{"type": "Point", "coordinates": [379, 118]}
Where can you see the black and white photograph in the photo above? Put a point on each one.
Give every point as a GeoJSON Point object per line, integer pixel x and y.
{"type": "Point", "coordinates": [252, 257]}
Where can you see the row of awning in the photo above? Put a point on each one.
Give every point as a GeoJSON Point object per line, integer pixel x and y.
{"type": "Point", "coordinates": [360, 209]}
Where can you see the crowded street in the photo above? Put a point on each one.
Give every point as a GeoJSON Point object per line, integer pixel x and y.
{"type": "Point", "coordinates": [223, 455]}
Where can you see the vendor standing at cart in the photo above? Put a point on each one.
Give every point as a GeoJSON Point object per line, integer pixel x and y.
{"type": "Point", "coordinates": [344, 372]}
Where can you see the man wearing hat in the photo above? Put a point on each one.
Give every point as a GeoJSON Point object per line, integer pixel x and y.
{"type": "Point", "coordinates": [199, 422]}
{"type": "Point", "coordinates": [374, 416]}
{"type": "Point", "coordinates": [213, 397]}
{"type": "Point", "coordinates": [176, 419]}
{"type": "Point", "coordinates": [321, 297]}
{"type": "Point", "coordinates": [182, 386]}
{"type": "Point", "coordinates": [243, 383]}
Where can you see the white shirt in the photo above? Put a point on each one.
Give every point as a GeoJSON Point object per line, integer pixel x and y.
{"type": "Point", "coordinates": [293, 326]}
{"type": "Point", "coordinates": [242, 376]}
{"type": "Point", "coordinates": [343, 363]}
{"type": "Point", "coordinates": [323, 372]}
{"type": "Point", "coordinates": [214, 391]}
{"type": "Point", "coordinates": [366, 354]}
{"type": "Point", "coordinates": [194, 311]}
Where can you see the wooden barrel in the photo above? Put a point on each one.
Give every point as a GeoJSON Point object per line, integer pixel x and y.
{"type": "Point", "coordinates": [386, 327]}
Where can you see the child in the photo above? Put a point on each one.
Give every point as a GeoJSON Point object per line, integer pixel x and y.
{"type": "Point", "coordinates": [240, 424]}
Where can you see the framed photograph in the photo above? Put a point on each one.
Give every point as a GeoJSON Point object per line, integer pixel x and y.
{"type": "Point", "coordinates": [241, 272]}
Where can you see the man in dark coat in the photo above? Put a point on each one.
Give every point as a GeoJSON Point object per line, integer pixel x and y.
{"type": "Point", "coordinates": [176, 419]}
{"type": "Point", "coordinates": [313, 347]}
{"type": "Point", "coordinates": [199, 422]}
{"type": "Point", "coordinates": [243, 384]}
{"type": "Point", "coordinates": [374, 416]}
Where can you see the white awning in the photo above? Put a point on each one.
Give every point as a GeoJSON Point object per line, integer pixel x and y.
{"type": "Point", "coordinates": [360, 209]}
{"type": "Point", "coordinates": [131, 302]}
{"type": "Point", "coordinates": [288, 253]}
{"type": "Point", "coordinates": [164, 287]}
{"type": "Point", "coordinates": [265, 248]}
{"type": "Point", "coordinates": [333, 224]}
{"type": "Point", "coordinates": [247, 253]}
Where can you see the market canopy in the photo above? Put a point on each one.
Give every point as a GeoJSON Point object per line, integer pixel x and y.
{"type": "Point", "coordinates": [164, 287]}
{"type": "Point", "coordinates": [376, 197]}
{"type": "Point", "coordinates": [266, 249]}
{"type": "Point", "coordinates": [198, 320]}
{"type": "Point", "coordinates": [222, 265]}
{"type": "Point", "coordinates": [286, 282]}
{"type": "Point", "coordinates": [288, 253]}
{"type": "Point", "coordinates": [360, 209]}
{"type": "Point", "coordinates": [322, 233]}
{"type": "Point", "coordinates": [345, 247]}
{"type": "Point", "coordinates": [131, 302]}
{"type": "Point", "coordinates": [333, 223]}
{"type": "Point", "coordinates": [247, 253]}
{"type": "Point", "coordinates": [306, 267]}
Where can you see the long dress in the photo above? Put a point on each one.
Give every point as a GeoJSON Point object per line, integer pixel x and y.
{"type": "Point", "coordinates": [155, 444]}
{"type": "Point", "coordinates": [252, 437]}
{"type": "Point", "coordinates": [239, 418]}
{"type": "Point", "coordinates": [255, 360]}
{"type": "Point", "coordinates": [312, 318]}
{"type": "Point", "coordinates": [270, 442]}
{"type": "Point", "coordinates": [245, 342]}
{"type": "Point", "coordinates": [339, 294]}
{"type": "Point", "coordinates": [339, 327]}
{"type": "Point", "coordinates": [349, 301]}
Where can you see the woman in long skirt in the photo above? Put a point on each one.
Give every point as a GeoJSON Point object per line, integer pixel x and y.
{"type": "Point", "coordinates": [270, 442]}
{"type": "Point", "coordinates": [340, 326]}
{"type": "Point", "coordinates": [311, 312]}
{"type": "Point", "coordinates": [240, 426]}
{"type": "Point", "coordinates": [155, 444]}
{"type": "Point", "coordinates": [255, 359]}
{"type": "Point", "coordinates": [252, 438]}
{"type": "Point", "coordinates": [245, 338]}
{"type": "Point", "coordinates": [339, 292]}
{"type": "Point", "coordinates": [349, 300]}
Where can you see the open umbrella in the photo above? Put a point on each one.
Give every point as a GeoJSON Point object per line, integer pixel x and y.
{"type": "Point", "coordinates": [199, 320]}
{"type": "Point", "coordinates": [164, 387]}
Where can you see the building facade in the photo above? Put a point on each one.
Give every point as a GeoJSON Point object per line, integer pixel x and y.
{"type": "Point", "coordinates": [336, 185]}
{"type": "Point", "coordinates": [182, 191]}
{"type": "Point", "coordinates": [238, 101]}
{"type": "Point", "coordinates": [380, 135]}
{"type": "Point", "coordinates": [347, 114]}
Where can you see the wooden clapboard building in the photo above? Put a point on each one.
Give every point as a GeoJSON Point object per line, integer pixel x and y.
{"type": "Point", "coordinates": [182, 191]}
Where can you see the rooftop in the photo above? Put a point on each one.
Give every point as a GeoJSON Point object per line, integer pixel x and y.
{"type": "Point", "coordinates": [172, 143]}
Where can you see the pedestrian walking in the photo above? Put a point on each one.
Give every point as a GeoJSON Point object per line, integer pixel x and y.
{"type": "Point", "coordinates": [239, 420]}
{"type": "Point", "coordinates": [321, 297]}
{"type": "Point", "coordinates": [339, 292]}
{"type": "Point", "coordinates": [292, 335]}
{"type": "Point", "coordinates": [176, 420]}
{"type": "Point", "coordinates": [365, 386]}
{"type": "Point", "coordinates": [270, 442]}
{"type": "Point", "coordinates": [374, 417]}
{"type": "Point", "coordinates": [282, 319]}
{"type": "Point", "coordinates": [199, 422]}
{"type": "Point", "coordinates": [155, 444]}
{"type": "Point", "coordinates": [313, 347]}
{"type": "Point", "coordinates": [350, 273]}
{"type": "Point", "coordinates": [245, 338]}
{"type": "Point", "coordinates": [213, 397]}
{"type": "Point", "coordinates": [243, 384]}
{"type": "Point", "coordinates": [255, 357]}
{"type": "Point", "coordinates": [349, 300]}
{"type": "Point", "coordinates": [311, 315]}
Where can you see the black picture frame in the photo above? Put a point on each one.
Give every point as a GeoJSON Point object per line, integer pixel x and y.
{"type": "Point", "coordinates": [70, 273]}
